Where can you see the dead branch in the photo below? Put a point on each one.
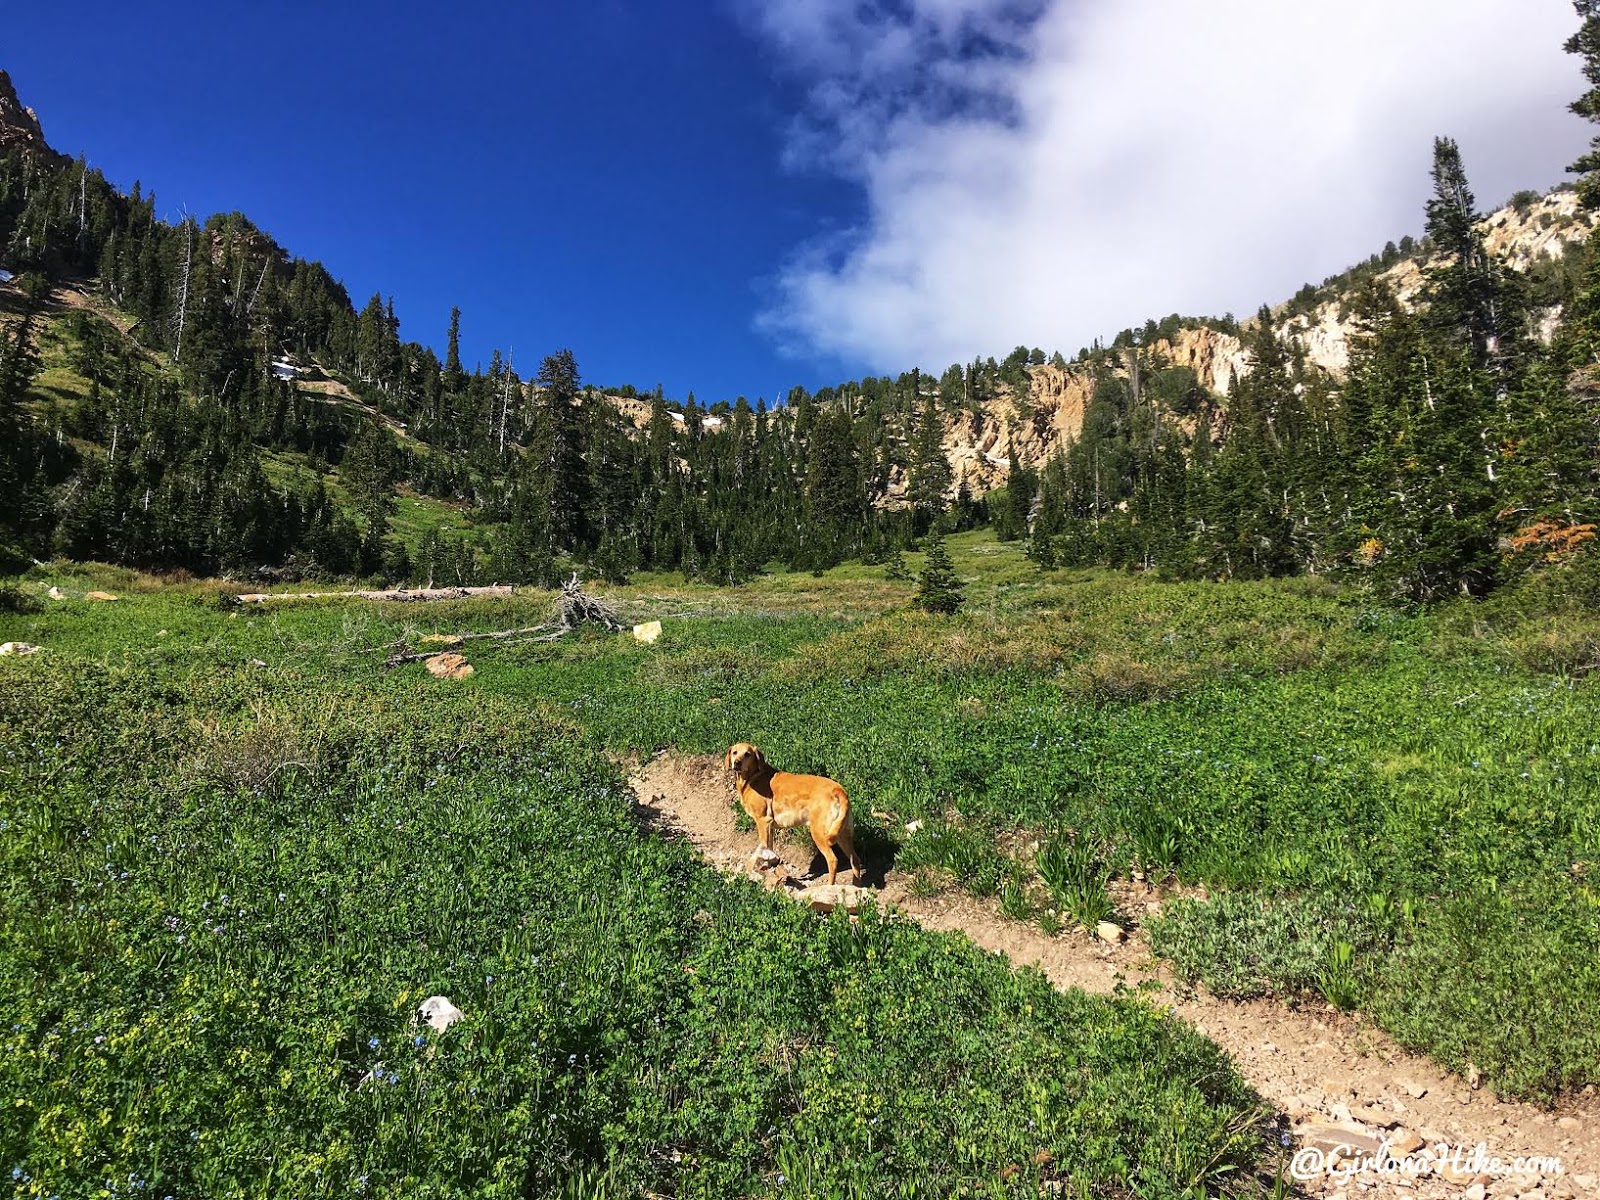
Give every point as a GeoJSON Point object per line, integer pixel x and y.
{"type": "Point", "coordinates": [577, 607]}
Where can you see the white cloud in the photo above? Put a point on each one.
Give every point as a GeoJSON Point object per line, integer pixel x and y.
{"type": "Point", "coordinates": [1049, 173]}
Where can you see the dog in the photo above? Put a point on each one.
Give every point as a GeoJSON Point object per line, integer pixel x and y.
{"type": "Point", "coordinates": [778, 798]}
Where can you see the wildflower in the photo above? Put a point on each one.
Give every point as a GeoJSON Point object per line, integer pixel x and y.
{"type": "Point", "coordinates": [372, 1044]}
{"type": "Point", "coordinates": [418, 1040]}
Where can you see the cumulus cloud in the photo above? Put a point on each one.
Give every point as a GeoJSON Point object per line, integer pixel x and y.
{"type": "Point", "coordinates": [1045, 173]}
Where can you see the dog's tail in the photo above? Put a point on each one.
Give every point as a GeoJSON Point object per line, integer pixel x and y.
{"type": "Point", "coordinates": [839, 813]}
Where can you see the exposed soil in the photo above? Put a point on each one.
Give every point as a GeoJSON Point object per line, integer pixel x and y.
{"type": "Point", "coordinates": [1329, 1074]}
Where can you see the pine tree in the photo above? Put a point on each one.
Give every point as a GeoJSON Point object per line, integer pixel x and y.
{"type": "Point", "coordinates": [1472, 302]}
{"type": "Point", "coordinates": [1586, 45]}
{"type": "Point", "coordinates": [454, 376]}
{"type": "Point", "coordinates": [930, 475]}
{"type": "Point", "coordinates": [939, 588]}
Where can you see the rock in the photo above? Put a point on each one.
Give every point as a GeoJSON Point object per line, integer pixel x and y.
{"type": "Point", "coordinates": [1340, 1112]}
{"type": "Point", "coordinates": [440, 639]}
{"type": "Point", "coordinates": [438, 1012]}
{"type": "Point", "coordinates": [1476, 1192]}
{"type": "Point", "coordinates": [1412, 1088]}
{"type": "Point", "coordinates": [761, 858]}
{"type": "Point", "coordinates": [913, 826]}
{"type": "Point", "coordinates": [648, 632]}
{"type": "Point", "coordinates": [825, 897]}
{"type": "Point", "coordinates": [20, 649]}
{"type": "Point", "coordinates": [1562, 1123]}
{"type": "Point", "coordinates": [256, 662]}
{"type": "Point", "coordinates": [448, 666]}
{"type": "Point", "coordinates": [1474, 1077]}
{"type": "Point", "coordinates": [1303, 1104]}
{"type": "Point", "coordinates": [1379, 1117]}
{"type": "Point", "coordinates": [1110, 931]}
{"type": "Point", "coordinates": [99, 596]}
{"type": "Point", "coordinates": [1405, 1141]}
{"type": "Point", "coordinates": [161, 633]}
{"type": "Point", "coordinates": [56, 593]}
{"type": "Point", "coordinates": [777, 879]}
{"type": "Point", "coordinates": [1333, 1138]}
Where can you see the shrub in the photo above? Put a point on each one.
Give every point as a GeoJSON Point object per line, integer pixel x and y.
{"type": "Point", "coordinates": [939, 588]}
{"type": "Point", "coordinates": [1241, 945]}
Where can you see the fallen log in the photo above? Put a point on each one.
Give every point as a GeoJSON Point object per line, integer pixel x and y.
{"type": "Point", "coordinates": [403, 595]}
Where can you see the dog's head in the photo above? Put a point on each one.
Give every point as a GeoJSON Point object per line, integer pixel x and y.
{"type": "Point", "coordinates": [744, 758]}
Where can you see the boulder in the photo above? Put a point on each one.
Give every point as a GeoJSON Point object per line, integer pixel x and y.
{"type": "Point", "coordinates": [438, 1012]}
{"type": "Point", "coordinates": [98, 596]}
{"type": "Point", "coordinates": [1110, 931]}
{"type": "Point", "coordinates": [648, 632]}
{"type": "Point", "coordinates": [20, 649]}
{"type": "Point", "coordinates": [56, 593]}
{"type": "Point", "coordinates": [448, 666]}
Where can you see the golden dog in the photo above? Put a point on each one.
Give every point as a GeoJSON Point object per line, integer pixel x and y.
{"type": "Point", "coordinates": [778, 798]}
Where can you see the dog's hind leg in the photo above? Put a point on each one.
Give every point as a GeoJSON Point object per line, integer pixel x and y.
{"type": "Point", "coordinates": [847, 843]}
{"type": "Point", "coordinates": [825, 845]}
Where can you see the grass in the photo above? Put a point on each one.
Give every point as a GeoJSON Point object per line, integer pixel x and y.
{"type": "Point", "coordinates": [228, 886]}
{"type": "Point", "coordinates": [1394, 812]}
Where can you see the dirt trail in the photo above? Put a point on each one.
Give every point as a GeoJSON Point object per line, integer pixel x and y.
{"type": "Point", "coordinates": [1332, 1075]}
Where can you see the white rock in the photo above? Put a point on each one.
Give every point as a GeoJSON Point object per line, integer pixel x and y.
{"type": "Point", "coordinates": [438, 1012]}
{"type": "Point", "coordinates": [18, 648]}
{"type": "Point", "coordinates": [825, 897]}
{"type": "Point", "coordinates": [1110, 931]}
{"type": "Point", "coordinates": [761, 858]}
{"type": "Point", "coordinates": [648, 632]}
{"type": "Point", "coordinates": [913, 826]}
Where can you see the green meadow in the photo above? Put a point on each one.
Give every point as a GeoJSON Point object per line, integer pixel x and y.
{"type": "Point", "coordinates": [238, 852]}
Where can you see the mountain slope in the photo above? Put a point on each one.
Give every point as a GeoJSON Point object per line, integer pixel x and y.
{"type": "Point", "coordinates": [1532, 236]}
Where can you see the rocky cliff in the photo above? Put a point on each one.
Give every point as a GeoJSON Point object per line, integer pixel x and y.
{"type": "Point", "coordinates": [980, 446]}
{"type": "Point", "coordinates": [19, 125]}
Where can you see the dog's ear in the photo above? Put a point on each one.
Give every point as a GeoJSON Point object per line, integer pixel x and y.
{"type": "Point", "coordinates": [760, 757]}
{"type": "Point", "coordinates": [730, 758]}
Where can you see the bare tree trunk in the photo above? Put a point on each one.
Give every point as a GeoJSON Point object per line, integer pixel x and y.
{"type": "Point", "coordinates": [183, 294]}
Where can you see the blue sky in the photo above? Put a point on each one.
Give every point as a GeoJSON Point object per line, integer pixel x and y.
{"type": "Point", "coordinates": [604, 176]}
{"type": "Point", "coordinates": [735, 196]}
